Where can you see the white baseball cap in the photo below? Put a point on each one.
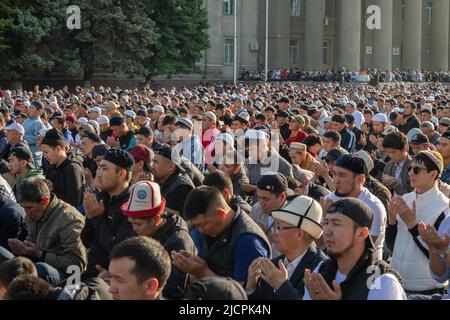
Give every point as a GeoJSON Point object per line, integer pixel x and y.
{"type": "Point", "coordinates": [96, 109]}
{"type": "Point", "coordinates": [16, 127]}
{"type": "Point", "coordinates": [145, 200]}
{"type": "Point", "coordinates": [380, 117]}
{"type": "Point", "coordinates": [158, 108]}
{"type": "Point", "coordinates": [103, 120]}
{"type": "Point", "coordinates": [130, 113]}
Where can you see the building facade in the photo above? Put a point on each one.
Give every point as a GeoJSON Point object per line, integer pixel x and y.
{"type": "Point", "coordinates": [316, 35]}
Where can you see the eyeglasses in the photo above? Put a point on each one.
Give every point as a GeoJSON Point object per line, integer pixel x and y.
{"type": "Point", "coordinates": [417, 170]}
{"type": "Point", "coordinates": [277, 229]}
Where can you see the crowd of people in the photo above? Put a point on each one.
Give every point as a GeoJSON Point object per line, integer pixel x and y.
{"type": "Point", "coordinates": [277, 191]}
{"type": "Point", "coordinates": [342, 75]}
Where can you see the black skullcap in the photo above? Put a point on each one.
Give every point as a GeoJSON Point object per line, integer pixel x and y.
{"type": "Point", "coordinates": [273, 182]}
{"type": "Point", "coordinates": [120, 158]}
{"type": "Point", "coordinates": [93, 136]}
{"type": "Point", "coordinates": [99, 150]}
{"type": "Point", "coordinates": [116, 121]}
{"type": "Point", "coordinates": [338, 118]}
{"type": "Point", "coordinates": [352, 163]}
{"type": "Point", "coordinates": [356, 210]}
{"type": "Point", "coordinates": [37, 104]}
{"type": "Point", "coordinates": [146, 132]}
{"type": "Point", "coordinates": [53, 138]}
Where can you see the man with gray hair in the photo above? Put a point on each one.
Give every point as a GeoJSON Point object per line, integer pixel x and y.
{"type": "Point", "coordinates": [428, 129]}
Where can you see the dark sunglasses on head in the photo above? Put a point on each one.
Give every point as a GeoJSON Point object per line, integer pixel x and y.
{"type": "Point", "coordinates": [417, 170]}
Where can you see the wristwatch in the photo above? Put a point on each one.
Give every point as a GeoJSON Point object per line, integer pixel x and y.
{"type": "Point", "coordinates": [445, 253]}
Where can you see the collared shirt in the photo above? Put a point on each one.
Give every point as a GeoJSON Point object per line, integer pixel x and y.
{"type": "Point", "coordinates": [291, 266]}
{"type": "Point", "coordinates": [398, 170]}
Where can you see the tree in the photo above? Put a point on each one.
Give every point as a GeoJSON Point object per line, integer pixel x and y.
{"type": "Point", "coordinates": [182, 27]}
{"type": "Point", "coordinates": [115, 36]}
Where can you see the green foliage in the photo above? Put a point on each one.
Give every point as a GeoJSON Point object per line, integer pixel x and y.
{"type": "Point", "coordinates": [133, 37]}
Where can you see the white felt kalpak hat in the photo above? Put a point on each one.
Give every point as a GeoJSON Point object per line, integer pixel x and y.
{"type": "Point", "coordinates": [145, 200]}
{"type": "Point", "coordinates": [304, 213]}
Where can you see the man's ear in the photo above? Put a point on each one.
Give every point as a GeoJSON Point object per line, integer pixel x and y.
{"type": "Point", "coordinates": [364, 233]}
{"type": "Point", "coordinates": [227, 194]}
{"type": "Point", "coordinates": [221, 213]}
{"type": "Point", "coordinates": [151, 287]}
{"type": "Point", "coordinates": [45, 201]}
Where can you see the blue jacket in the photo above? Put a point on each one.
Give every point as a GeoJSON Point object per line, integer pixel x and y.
{"type": "Point", "coordinates": [12, 222]}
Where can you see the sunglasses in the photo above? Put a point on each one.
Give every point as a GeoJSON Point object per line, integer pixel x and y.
{"type": "Point", "coordinates": [417, 170]}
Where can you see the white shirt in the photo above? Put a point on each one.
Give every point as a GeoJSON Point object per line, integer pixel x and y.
{"type": "Point", "coordinates": [378, 228]}
{"type": "Point", "coordinates": [384, 287]}
{"type": "Point", "coordinates": [291, 266]}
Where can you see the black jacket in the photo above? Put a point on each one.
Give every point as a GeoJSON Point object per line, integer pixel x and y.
{"type": "Point", "coordinates": [103, 232]}
{"type": "Point", "coordinates": [238, 179]}
{"type": "Point", "coordinates": [68, 180]}
{"type": "Point", "coordinates": [285, 132]}
{"type": "Point", "coordinates": [174, 236]}
{"type": "Point", "coordinates": [175, 190]}
{"type": "Point", "coordinates": [12, 222]}
{"type": "Point", "coordinates": [294, 288]}
{"type": "Point", "coordinates": [412, 122]}
{"type": "Point", "coordinates": [91, 289]}
{"type": "Point", "coordinates": [237, 201]}
{"type": "Point", "coordinates": [91, 165]}
{"type": "Point", "coordinates": [105, 134]}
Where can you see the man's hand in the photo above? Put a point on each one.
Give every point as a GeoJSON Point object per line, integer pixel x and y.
{"type": "Point", "coordinates": [318, 288]}
{"type": "Point", "coordinates": [254, 273]}
{"type": "Point", "coordinates": [88, 176]}
{"type": "Point", "coordinates": [388, 181]}
{"type": "Point", "coordinates": [103, 274]}
{"type": "Point", "coordinates": [274, 276]}
{"type": "Point", "coordinates": [191, 264]}
{"type": "Point", "coordinates": [92, 207]}
{"type": "Point", "coordinates": [248, 187]}
{"type": "Point", "coordinates": [25, 248]}
{"type": "Point", "coordinates": [373, 140]}
{"type": "Point", "coordinates": [407, 214]}
{"type": "Point", "coordinates": [32, 250]}
{"type": "Point", "coordinates": [321, 169]}
{"type": "Point", "coordinates": [325, 205]}
{"type": "Point", "coordinates": [17, 246]}
{"type": "Point", "coordinates": [432, 238]}
{"type": "Point", "coordinates": [112, 142]}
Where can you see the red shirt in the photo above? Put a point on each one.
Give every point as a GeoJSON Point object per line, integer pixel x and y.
{"type": "Point", "coordinates": [301, 135]}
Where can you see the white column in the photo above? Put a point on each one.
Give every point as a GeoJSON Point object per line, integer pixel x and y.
{"type": "Point", "coordinates": [412, 35]}
{"type": "Point", "coordinates": [315, 13]}
{"type": "Point", "coordinates": [349, 35]}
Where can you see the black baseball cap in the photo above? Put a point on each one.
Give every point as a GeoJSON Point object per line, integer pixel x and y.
{"type": "Point", "coordinates": [22, 152]}
{"type": "Point", "coordinates": [356, 210]}
{"type": "Point", "coordinates": [334, 154]}
{"type": "Point", "coordinates": [169, 153]}
{"type": "Point", "coordinates": [215, 288]}
{"type": "Point", "coordinates": [284, 100]}
{"type": "Point", "coordinates": [275, 182]}
{"type": "Point", "coordinates": [120, 158]}
{"type": "Point", "coordinates": [283, 114]}
{"type": "Point", "coordinates": [146, 132]}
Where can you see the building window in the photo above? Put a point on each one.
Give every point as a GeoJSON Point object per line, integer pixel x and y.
{"type": "Point", "coordinates": [293, 52]}
{"type": "Point", "coordinates": [295, 8]}
{"type": "Point", "coordinates": [328, 5]}
{"type": "Point", "coordinates": [326, 52]}
{"type": "Point", "coordinates": [229, 51]}
{"type": "Point", "coordinates": [228, 7]}
{"type": "Point", "coordinates": [429, 12]}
